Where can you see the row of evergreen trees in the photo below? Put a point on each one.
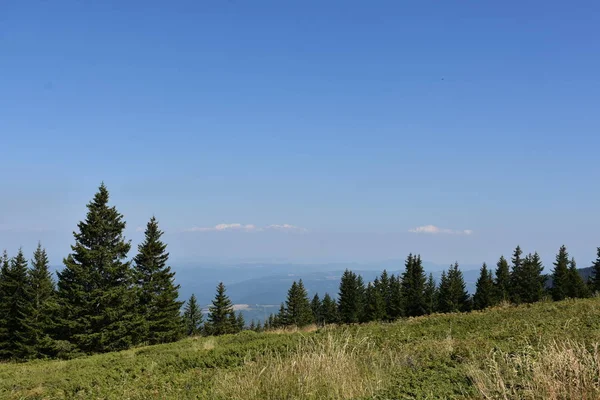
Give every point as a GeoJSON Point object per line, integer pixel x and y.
{"type": "Point", "coordinates": [221, 316]}
{"type": "Point", "coordinates": [413, 293]}
{"type": "Point", "coordinates": [101, 301]}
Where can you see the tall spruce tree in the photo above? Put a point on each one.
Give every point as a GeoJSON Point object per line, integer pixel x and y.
{"type": "Point", "coordinates": [192, 317]}
{"type": "Point", "coordinates": [576, 287]}
{"type": "Point", "coordinates": [516, 276]}
{"type": "Point", "coordinates": [17, 336]}
{"type": "Point", "coordinates": [350, 298]}
{"type": "Point", "coordinates": [502, 280]}
{"type": "Point", "coordinates": [594, 281]}
{"type": "Point", "coordinates": [297, 306]}
{"type": "Point", "coordinates": [430, 295]}
{"type": "Point", "coordinates": [532, 282]}
{"type": "Point", "coordinates": [219, 313]}
{"type": "Point", "coordinates": [44, 304]}
{"type": "Point", "coordinates": [560, 275]}
{"type": "Point", "coordinates": [157, 291]}
{"type": "Point", "coordinates": [315, 306]}
{"type": "Point", "coordinates": [329, 310]}
{"type": "Point", "coordinates": [374, 304]}
{"type": "Point", "coordinates": [95, 288]}
{"type": "Point", "coordinates": [413, 287]}
{"type": "Point", "coordinates": [484, 294]}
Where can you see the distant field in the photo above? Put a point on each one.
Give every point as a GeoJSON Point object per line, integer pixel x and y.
{"type": "Point", "coordinates": [542, 351]}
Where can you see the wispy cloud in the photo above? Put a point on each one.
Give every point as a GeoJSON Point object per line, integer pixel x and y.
{"type": "Point", "coordinates": [224, 227]}
{"type": "Point", "coordinates": [434, 230]}
{"type": "Point", "coordinates": [286, 227]}
{"type": "Point", "coordinates": [245, 228]}
{"type": "Point", "coordinates": [140, 229]}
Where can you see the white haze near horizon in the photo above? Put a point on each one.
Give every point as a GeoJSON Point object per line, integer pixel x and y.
{"type": "Point", "coordinates": [195, 248]}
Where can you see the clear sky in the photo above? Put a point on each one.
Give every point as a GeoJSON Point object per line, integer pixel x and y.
{"type": "Point", "coordinates": [356, 122]}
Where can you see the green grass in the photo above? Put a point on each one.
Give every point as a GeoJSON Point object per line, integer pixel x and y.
{"type": "Point", "coordinates": [540, 351]}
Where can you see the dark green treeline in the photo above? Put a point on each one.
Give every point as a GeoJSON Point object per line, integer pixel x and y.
{"type": "Point", "coordinates": [413, 293]}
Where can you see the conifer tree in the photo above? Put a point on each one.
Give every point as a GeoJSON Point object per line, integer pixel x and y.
{"type": "Point", "coordinates": [502, 281]}
{"type": "Point", "coordinates": [453, 292]}
{"type": "Point", "coordinates": [516, 276]}
{"type": "Point", "coordinates": [360, 291]}
{"type": "Point", "coordinates": [594, 281]}
{"type": "Point", "coordinates": [374, 304]}
{"type": "Point", "coordinates": [350, 299]}
{"type": "Point", "coordinates": [290, 303]}
{"type": "Point", "coordinates": [17, 336]}
{"type": "Point", "coordinates": [560, 275]}
{"type": "Point", "coordinates": [315, 306]}
{"type": "Point", "coordinates": [576, 287]}
{"type": "Point", "coordinates": [532, 281]}
{"type": "Point", "coordinates": [484, 294]}
{"type": "Point", "coordinates": [429, 294]}
{"type": "Point", "coordinates": [382, 283]}
{"type": "Point", "coordinates": [297, 306]}
{"type": "Point", "coordinates": [95, 288]}
{"type": "Point", "coordinates": [240, 323]}
{"type": "Point", "coordinates": [413, 287]}
{"type": "Point", "coordinates": [281, 318]}
{"type": "Point", "coordinates": [259, 327]}
{"type": "Point", "coordinates": [219, 313]}
{"type": "Point", "coordinates": [157, 291]}
{"type": "Point", "coordinates": [4, 296]}
{"type": "Point", "coordinates": [192, 317]}
{"type": "Point", "coordinates": [233, 323]}
{"type": "Point", "coordinates": [252, 326]}
{"type": "Point", "coordinates": [396, 305]}
{"type": "Point", "coordinates": [444, 303]}
{"type": "Point", "coordinates": [270, 324]}
{"type": "Point", "coordinates": [329, 310]}
{"type": "Point", "coordinates": [44, 304]}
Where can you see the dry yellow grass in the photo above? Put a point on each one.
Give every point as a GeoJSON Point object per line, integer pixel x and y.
{"type": "Point", "coordinates": [561, 370]}
{"type": "Point", "coordinates": [332, 367]}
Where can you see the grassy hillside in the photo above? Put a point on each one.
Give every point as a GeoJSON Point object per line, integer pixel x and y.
{"type": "Point", "coordinates": [542, 351]}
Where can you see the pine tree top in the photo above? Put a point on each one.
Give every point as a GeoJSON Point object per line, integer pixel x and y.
{"type": "Point", "coordinates": [516, 258]}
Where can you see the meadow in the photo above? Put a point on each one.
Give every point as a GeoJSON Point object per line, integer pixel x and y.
{"type": "Point", "coordinates": [547, 350]}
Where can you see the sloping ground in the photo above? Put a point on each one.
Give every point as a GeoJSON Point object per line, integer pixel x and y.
{"type": "Point", "coordinates": [543, 351]}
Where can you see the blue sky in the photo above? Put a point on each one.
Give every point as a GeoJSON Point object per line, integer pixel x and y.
{"type": "Point", "coordinates": [353, 121]}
